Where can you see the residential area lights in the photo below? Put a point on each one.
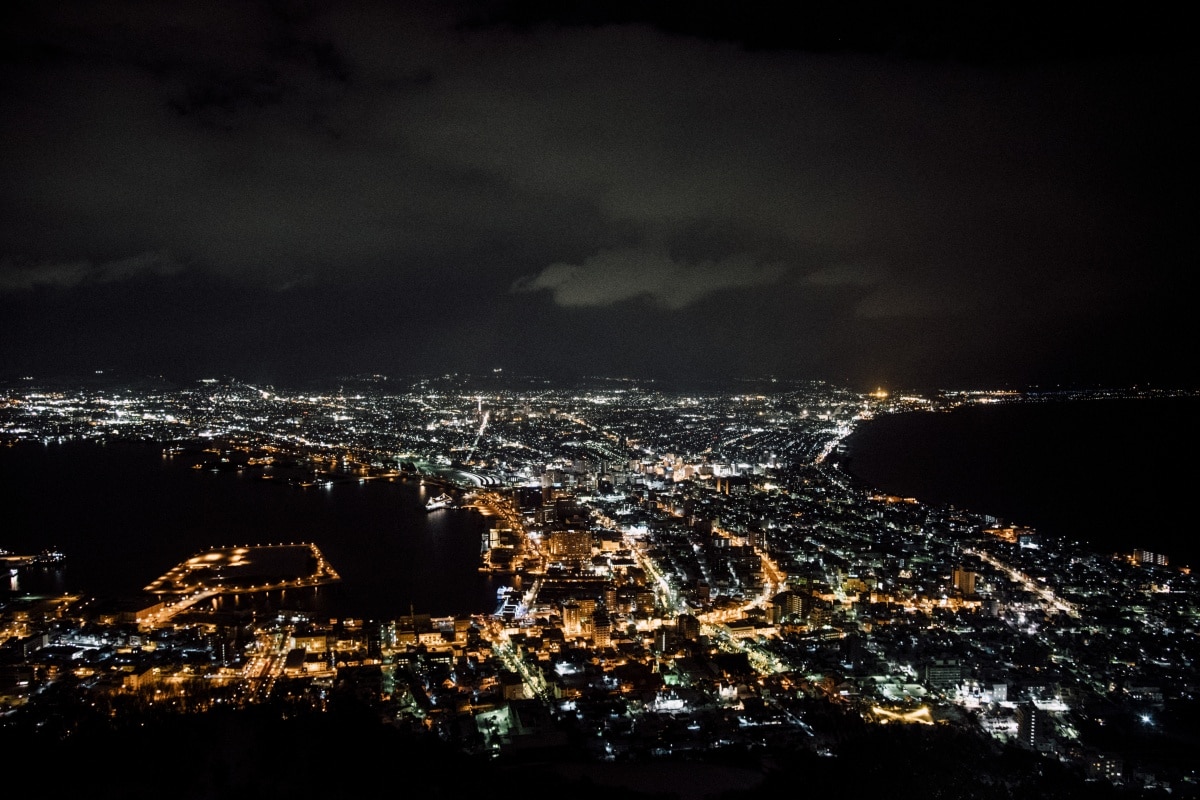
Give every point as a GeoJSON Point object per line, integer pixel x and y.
{"type": "Point", "coordinates": [700, 562]}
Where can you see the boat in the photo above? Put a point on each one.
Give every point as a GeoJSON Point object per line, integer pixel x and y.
{"type": "Point", "coordinates": [443, 500]}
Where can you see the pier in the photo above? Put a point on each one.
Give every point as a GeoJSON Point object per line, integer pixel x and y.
{"type": "Point", "coordinates": [13, 561]}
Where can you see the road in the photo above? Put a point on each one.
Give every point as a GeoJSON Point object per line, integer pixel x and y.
{"type": "Point", "coordinates": [1045, 592]}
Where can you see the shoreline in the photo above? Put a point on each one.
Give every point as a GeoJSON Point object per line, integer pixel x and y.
{"type": "Point", "coordinates": [1059, 467]}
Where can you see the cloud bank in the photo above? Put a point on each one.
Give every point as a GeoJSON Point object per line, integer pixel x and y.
{"type": "Point", "coordinates": [390, 156]}
{"type": "Point", "coordinates": [617, 275]}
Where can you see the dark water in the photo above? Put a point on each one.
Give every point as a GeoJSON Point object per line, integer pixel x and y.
{"type": "Point", "coordinates": [124, 514]}
{"type": "Point", "coordinates": [1112, 474]}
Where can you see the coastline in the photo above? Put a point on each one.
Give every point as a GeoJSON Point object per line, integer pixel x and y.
{"type": "Point", "coordinates": [1091, 471]}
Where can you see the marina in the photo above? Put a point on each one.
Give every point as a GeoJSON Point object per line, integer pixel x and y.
{"type": "Point", "coordinates": [390, 553]}
{"type": "Point", "coordinates": [247, 568]}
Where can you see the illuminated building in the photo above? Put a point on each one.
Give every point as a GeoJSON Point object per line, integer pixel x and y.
{"type": "Point", "coordinates": [943, 673]}
{"type": "Point", "coordinates": [572, 616]}
{"type": "Point", "coordinates": [570, 545]}
{"type": "Point", "coordinates": [790, 604]}
{"type": "Point", "coordinates": [964, 581]}
{"type": "Point", "coordinates": [1024, 536]}
{"type": "Point", "coordinates": [601, 629]}
{"type": "Point", "coordinates": [1147, 557]}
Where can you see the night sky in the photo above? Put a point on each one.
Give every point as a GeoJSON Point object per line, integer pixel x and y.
{"type": "Point", "coordinates": [920, 196]}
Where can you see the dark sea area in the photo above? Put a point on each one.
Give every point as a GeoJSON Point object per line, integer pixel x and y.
{"type": "Point", "coordinates": [123, 514]}
{"type": "Point", "coordinates": [1111, 474]}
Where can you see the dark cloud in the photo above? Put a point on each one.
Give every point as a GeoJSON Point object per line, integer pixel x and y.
{"type": "Point", "coordinates": [947, 187]}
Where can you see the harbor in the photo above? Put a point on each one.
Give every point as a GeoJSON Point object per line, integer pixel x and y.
{"type": "Point", "coordinates": [50, 557]}
{"type": "Point", "coordinates": [245, 569]}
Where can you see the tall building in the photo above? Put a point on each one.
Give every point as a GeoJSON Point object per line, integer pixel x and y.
{"type": "Point", "coordinates": [572, 616]}
{"type": "Point", "coordinates": [942, 673]}
{"type": "Point", "coordinates": [964, 581]}
{"type": "Point", "coordinates": [1147, 557]}
{"type": "Point", "coordinates": [791, 604]}
{"type": "Point", "coordinates": [570, 545]}
{"type": "Point", "coordinates": [1033, 726]}
{"type": "Point", "coordinates": [688, 627]}
{"type": "Point", "coordinates": [601, 629]}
